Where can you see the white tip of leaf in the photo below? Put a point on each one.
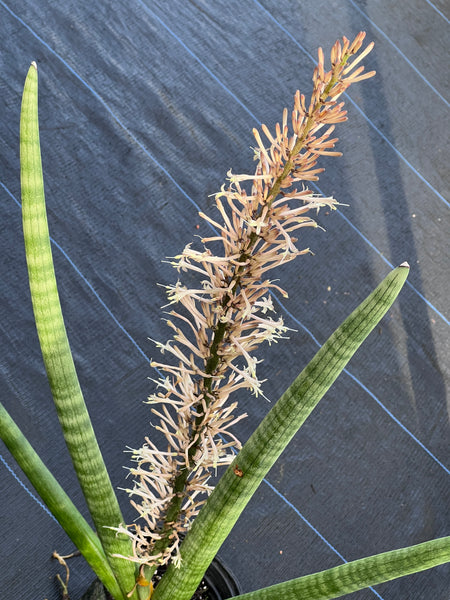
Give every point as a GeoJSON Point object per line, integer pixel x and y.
{"type": "Point", "coordinates": [33, 64]}
{"type": "Point", "coordinates": [405, 264]}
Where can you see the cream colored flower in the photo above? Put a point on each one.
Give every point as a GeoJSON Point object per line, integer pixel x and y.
{"type": "Point", "coordinates": [220, 323]}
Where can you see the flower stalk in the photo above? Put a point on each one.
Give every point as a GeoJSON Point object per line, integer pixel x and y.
{"type": "Point", "coordinates": [218, 326]}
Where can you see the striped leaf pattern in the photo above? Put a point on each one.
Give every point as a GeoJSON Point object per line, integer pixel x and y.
{"type": "Point", "coordinates": [359, 574]}
{"type": "Point", "coordinates": [258, 455]}
{"type": "Point", "coordinates": [67, 395]}
{"type": "Point", "coordinates": [57, 501]}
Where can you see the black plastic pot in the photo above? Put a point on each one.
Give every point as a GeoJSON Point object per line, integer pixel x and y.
{"type": "Point", "coordinates": [218, 580]}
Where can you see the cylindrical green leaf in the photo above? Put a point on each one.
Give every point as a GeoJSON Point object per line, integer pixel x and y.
{"type": "Point", "coordinates": [258, 455]}
{"type": "Point", "coordinates": [358, 574]}
{"type": "Point", "coordinates": [57, 501]}
{"type": "Point", "coordinates": [67, 395]}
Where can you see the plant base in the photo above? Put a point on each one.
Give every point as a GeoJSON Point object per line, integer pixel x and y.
{"type": "Point", "coordinates": [218, 584]}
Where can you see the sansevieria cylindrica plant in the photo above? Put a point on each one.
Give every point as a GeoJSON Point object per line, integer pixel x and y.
{"type": "Point", "coordinates": [216, 329]}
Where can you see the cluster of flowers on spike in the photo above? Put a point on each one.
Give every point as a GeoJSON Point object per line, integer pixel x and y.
{"type": "Point", "coordinates": [220, 324]}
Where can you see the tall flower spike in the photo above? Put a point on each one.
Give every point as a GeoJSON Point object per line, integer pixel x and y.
{"type": "Point", "coordinates": [219, 325]}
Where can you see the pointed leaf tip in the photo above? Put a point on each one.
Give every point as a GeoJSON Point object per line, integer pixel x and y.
{"type": "Point", "coordinates": [34, 64]}
{"type": "Point", "coordinates": [405, 264]}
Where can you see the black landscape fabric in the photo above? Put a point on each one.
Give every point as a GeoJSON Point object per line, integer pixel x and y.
{"type": "Point", "coordinates": [144, 107]}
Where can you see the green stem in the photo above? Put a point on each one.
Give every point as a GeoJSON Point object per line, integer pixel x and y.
{"type": "Point", "coordinates": [57, 501]}
{"type": "Point", "coordinates": [229, 498]}
{"type": "Point", "coordinates": [72, 412]}
{"type": "Point", "coordinates": [358, 574]}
